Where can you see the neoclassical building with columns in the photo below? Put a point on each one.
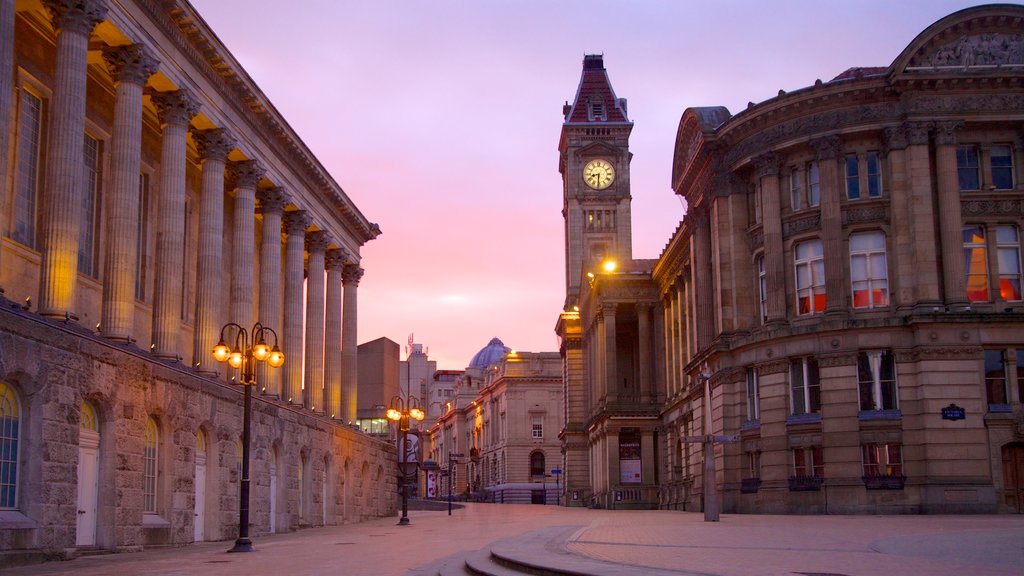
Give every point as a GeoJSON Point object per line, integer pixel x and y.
{"type": "Point", "coordinates": [150, 194]}
{"type": "Point", "coordinates": [840, 308]}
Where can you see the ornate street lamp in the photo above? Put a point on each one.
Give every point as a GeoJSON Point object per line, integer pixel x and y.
{"type": "Point", "coordinates": [402, 411]}
{"type": "Point", "coordinates": [244, 356]}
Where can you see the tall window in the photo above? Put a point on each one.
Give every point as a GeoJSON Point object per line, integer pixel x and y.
{"type": "Point", "coordinates": [796, 192]}
{"type": "Point", "coordinates": [995, 377]}
{"type": "Point", "coordinates": [537, 464]}
{"type": "Point", "coordinates": [537, 427]}
{"type": "Point", "coordinates": [90, 208]}
{"type": "Point", "coordinates": [810, 277]}
{"type": "Point", "coordinates": [804, 386]}
{"type": "Point", "coordinates": [976, 263]}
{"type": "Point", "coordinates": [813, 184]}
{"type": "Point", "coordinates": [1008, 250]}
{"type": "Point", "coordinates": [874, 175]}
{"type": "Point", "coordinates": [968, 167]}
{"type": "Point", "coordinates": [150, 467]}
{"type": "Point", "coordinates": [1020, 375]}
{"type": "Point", "coordinates": [809, 462]}
{"type": "Point", "coordinates": [1002, 167]}
{"type": "Point", "coordinates": [10, 429]}
{"type": "Point", "coordinates": [882, 459]}
{"type": "Point", "coordinates": [143, 231]}
{"type": "Point", "coordinates": [754, 464]}
{"type": "Point", "coordinates": [876, 375]}
{"type": "Point", "coordinates": [852, 177]}
{"type": "Point", "coordinates": [753, 395]}
{"type": "Point", "coordinates": [868, 270]}
{"type": "Point", "coordinates": [762, 288]}
{"type": "Point", "coordinates": [26, 193]}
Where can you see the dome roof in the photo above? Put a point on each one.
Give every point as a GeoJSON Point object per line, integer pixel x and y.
{"type": "Point", "coordinates": [493, 352]}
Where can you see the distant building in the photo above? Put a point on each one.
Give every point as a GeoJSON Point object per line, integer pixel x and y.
{"type": "Point", "coordinates": [841, 304]}
{"type": "Point", "coordinates": [378, 383]}
{"type": "Point", "coordinates": [416, 373]}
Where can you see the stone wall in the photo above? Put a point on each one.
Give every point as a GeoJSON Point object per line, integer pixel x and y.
{"type": "Point", "coordinates": [54, 366]}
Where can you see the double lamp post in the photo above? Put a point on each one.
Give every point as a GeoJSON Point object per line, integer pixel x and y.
{"type": "Point", "coordinates": [249, 348]}
{"type": "Point", "coordinates": [402, 410]}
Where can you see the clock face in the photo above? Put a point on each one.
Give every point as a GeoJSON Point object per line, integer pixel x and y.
{"type": "Point", "coordinates": [598, 174]}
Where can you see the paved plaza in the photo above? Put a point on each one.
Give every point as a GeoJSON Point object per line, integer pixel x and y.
{"type": "Point", "coordinates": [612, 543]}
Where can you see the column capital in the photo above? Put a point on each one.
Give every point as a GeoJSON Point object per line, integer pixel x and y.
{"type": "Point", "coordinates": [246, 173]}
{"type": "Point", "coordinates": [272, 200]}
{"type": "Point", "coordinates": [76, 15]}
{"type": "Point", "coordinates": [176, 107]}
{"type": "Point", "coordinates": [894, 138]}
{"type": "Point", "coordinates": [917, 132]}
{"type": "Point", "coordinates": [351, 274]}
{"type": "Point", "coordinates": [295, 222]}
{"type": "Point", "coordinates": [334, 259]}
{"type": "Point", "coordinates": [214, 144]}
{"type": "Point", "coordinates": [133, 63]}
{"type": "Point", "coordinates": [826, 147]}
{"type": "Point", "coordinates": [945, 132]}
{"type": "Point", "coordinates": [317, 241]}
{"type": "Point", "coordinates": [767, 164]}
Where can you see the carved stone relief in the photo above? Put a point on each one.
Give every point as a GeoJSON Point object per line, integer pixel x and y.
{"type": "Point", "coordinates": [991, 49]}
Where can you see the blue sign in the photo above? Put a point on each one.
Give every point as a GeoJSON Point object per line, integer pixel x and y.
{"type": "Point", "coordinates": [953, 412]}
{"type": "Point", "coordinates": [556, 471]}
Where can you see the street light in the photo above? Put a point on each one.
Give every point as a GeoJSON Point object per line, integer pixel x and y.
{"type": "Point", "coordinates": [401, 411]}
{"type": "Point", "coordinates": [244, 355]}
{"type": "Point", "coordinates": [710, 488]}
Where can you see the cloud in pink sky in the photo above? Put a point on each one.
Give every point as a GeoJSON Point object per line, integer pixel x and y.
{"type": "Point", "coordinates": [441, 120]}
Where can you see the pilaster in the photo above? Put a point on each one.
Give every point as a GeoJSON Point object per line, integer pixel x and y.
{"type": "Point", "coordinates": [767, 167]}
{"type": "Point", "coordinates": [827, 152]}
{"type": "Point", "coordinates": [6, 92]}
{"type": "Point", "coordinates": [950, 218]}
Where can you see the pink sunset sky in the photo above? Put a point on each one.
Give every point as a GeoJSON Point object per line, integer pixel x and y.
{"type": "Point", "coordinates": [441, 120]}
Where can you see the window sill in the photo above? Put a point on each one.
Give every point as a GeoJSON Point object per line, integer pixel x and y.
{"type": "Point", "coordinates": [15, 520]}
{"type": "Point", "coordinates": [1000, 408]}
{"type": "Point", "coordinates": [879, 415]}
{"type": "Point", "coordinates": [796, 419]}
{"type": "Point", "coordinates": [153, 521]}
{"type": "Point", "coordinates": [805, 483]}
{"type": "Point", "coordinates": [750, 425]}
{"type": "Point", "coordinates": [884, 482]}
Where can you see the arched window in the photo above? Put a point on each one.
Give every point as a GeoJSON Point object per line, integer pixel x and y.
{"type": "Point", "coordinates": [537, 464]}
{"type": "Point", "coordinates": [302, 486]}
{"type": "Point", "coordinates": [10, 427]}
{"type": "Point", "coordinates": [149, 458]}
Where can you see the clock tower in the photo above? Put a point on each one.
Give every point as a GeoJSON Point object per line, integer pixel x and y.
{"type": "Point", "coordinates": [594, 162]}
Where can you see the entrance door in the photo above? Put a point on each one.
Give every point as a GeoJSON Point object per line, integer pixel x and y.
{"type": "Point", "coordinates": [200, 488]}
{"type": "Point", "coordinates": [1013, 477]}
{"type": "Point", "coordinates": [88, 477]}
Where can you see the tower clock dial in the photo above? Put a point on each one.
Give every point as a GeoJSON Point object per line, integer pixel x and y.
{"type": "Point", "coordinates": [598, 174]}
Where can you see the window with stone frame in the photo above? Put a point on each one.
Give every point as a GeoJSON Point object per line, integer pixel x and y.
{"type": "Point", "coordinates": [28, 166]}
{"type": "Point", "coordinates": [537, 463]}
{"type": "Point", "coordinates": [809, 264]}
{"type": "Point", "coordinates": [88, 233]}
{"type": "Point", "coordinates": [874, 174]}
{"type": "Point", "coordinates": [968, 167]}
{"type": "Point", "coordinates": [1008, 252]}
{"type": "Point", "coordinates": [996, 392]}
{"type": "Point", "coordinates": [976, 263]}
{"type": "Point", "coordinates": [762, 288]}
{"type": "Point", "coordinates": [805, 388]}
{"type": "Point", "coordinates": [796, 189]}
{"type": "Point", "coordinates": [852, 177]}
{"type": "Point", "coordinates": [881, 460]}
{"type": "Point", "coordinates": [752, 479]}
{"type": "Point", "coordinates": [151, 467]}
{"type": "Point", "coordinates": [813, 184]}
{"type": "Point", "coordinates": [876, 377]}
{"type": "Point", "coordinates": [10, 441]}
{"type": "Point", "coordinates": [808, 468]}
{"type": "Point", "coordinates": [753, 395]}
{"type": "Point", "coordinates": [1020, 376]}
{"type": "Point", "coordinates": [869, 270]}
{"type": "Point", "coordinates": [1001, 159]}
{"type": "Point", "coordinates": [537, 426]}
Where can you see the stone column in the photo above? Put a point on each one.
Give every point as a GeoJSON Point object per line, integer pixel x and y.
{"type": "Point", "coordinates": [704, 298]}
{"type": "Point", "coordinates": [901, 284]}
{"type": "Point", "coordinates": [611, 371]}
{"type": "Point", "coordinates": [175, 110]}
{"type": "Point", "coordinates": [645, 387]}
{"type": "Point", "coordinates": [214, 146]}
{"type": "Point", "coordinates": [6, 106]}
{"type": "Point", "coordinates": [316, 243]}
{"type": "Point", "coordinates": [272, 201]}
{"type": "Point", "coordinates": [295, 224]}
{"type": "Point", "coordinates": [922, 217]}
{"type": "Point", "coordinates": [61, 201]}
{"type": "Point", "coordinates": [349, 344]}
{"type": "Point", "coordinates": [954, 285]}
{"type": "Point", "coordinates": [767, 170]}
{"type": "Point", "coordinates": [131, 66]}
{"type": "Point", "coordinates": [827, 153]}
{"type": "Point", "coordinates": [334, 261]}
{"type": "Point", "coordinates": [247, 174]}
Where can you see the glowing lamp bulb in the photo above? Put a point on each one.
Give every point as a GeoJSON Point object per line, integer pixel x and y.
{"type": "Point", "coordinates": [260, 351]}
{"type": "Point", "coordinates": [235, 358]}
{"type": "Point", "coordinates": [609, 266]}
{"type": "Point", "coordinates": [393, 414]}
{"type": "Point", "coordinates": [221, 351]}
{"type": "Point", "coordinates": [275, 358]}
{"type": "Point", "coordinates": [417, 413]}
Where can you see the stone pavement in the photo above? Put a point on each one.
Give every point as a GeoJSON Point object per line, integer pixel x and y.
{"type": "Point", "coordinates": [601, 542]}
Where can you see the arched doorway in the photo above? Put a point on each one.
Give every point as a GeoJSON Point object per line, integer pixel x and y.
{"type": "Point", "coordinates": [88, 476]}
{"type": "Point", "coordinates": [199, 530]}
{"type": "Point", "coordinates": [1013, 477]}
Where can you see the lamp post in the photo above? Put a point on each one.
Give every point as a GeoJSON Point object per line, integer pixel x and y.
{"type": "Point", "coordinates": [250, 347]}
{"type": "Point", "coordinates": [710, 488]}
{"type": "Point", "coordinates": [402, 410]}
{"type": "Point", "coordinates": [453, 459]}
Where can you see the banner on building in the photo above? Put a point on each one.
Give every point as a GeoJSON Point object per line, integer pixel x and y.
{"type": "Point", "coordinates": [629, 456]}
